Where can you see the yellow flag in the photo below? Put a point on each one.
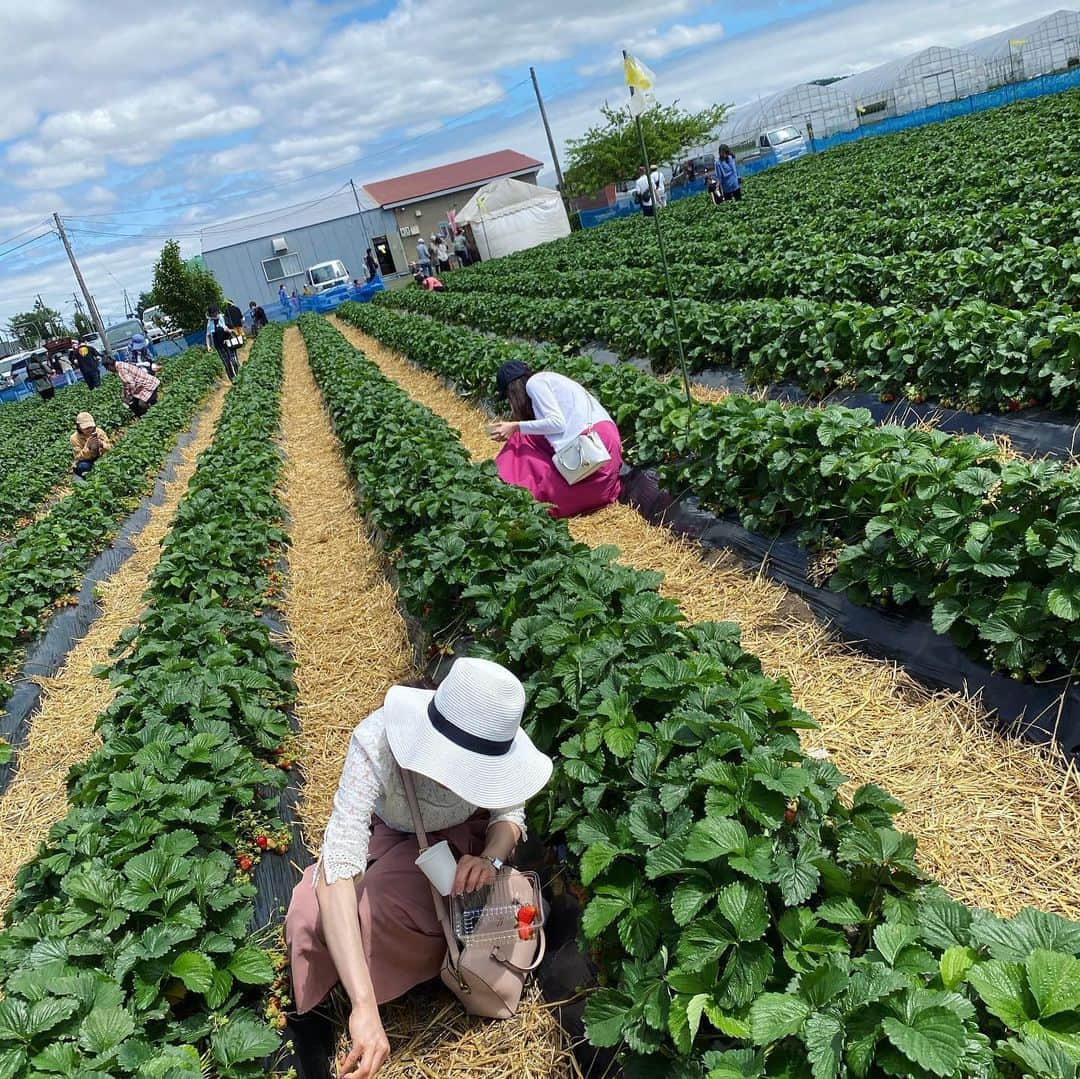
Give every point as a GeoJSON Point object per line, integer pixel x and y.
{"type": "Point", "coordinates": [641, 82]}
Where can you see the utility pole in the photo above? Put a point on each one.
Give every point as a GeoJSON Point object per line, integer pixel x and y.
{"type": "Point", "coordinates": [551, 141]}
{"type": "Point", "coordinates": [360, 214]}
{"type": "Point", "coordinates": [95, 314]}
{"type": "Point", "coordinates": [127, 305]}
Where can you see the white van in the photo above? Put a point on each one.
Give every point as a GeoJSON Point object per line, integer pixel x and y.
{"type": "Point", "coordinates": [327, 275]}
{"type": "Point", "coordinates": [782, 143]}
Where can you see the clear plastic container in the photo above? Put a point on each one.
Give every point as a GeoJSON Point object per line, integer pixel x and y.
{"type": "Point", "coordinates": [493, 912]}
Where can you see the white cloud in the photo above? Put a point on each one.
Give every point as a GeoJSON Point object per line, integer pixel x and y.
{"type": "Point", "coordinates": [657, 44]}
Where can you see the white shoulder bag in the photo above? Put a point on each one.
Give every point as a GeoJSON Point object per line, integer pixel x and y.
{"type": "Point", "coordinates": [582, 457]}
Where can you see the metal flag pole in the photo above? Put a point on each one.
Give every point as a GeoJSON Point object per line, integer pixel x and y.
{"type": "Point", "coordinates": [663, 255]}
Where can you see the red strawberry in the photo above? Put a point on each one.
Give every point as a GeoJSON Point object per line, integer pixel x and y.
{"type": "Point", "coordinates": [790, 814]}
{"type": "Point", "coordinates": [526, 915]}
{"type": "Point", "coordinates": [261, 841]}
{"type": "Point", "coordinates": [1014, 406]}
{"type": "Point", "coordinates": [525, 932]}
{"type": "Point", "coordinates": [244, 862]}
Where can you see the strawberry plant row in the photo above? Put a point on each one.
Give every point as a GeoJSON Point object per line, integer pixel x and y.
{"type": "Point", "coordinates": [974, 356]}
{"type": "Point", "coordinates": [45, 560]}
{"type": "Point", "coordinates": [33, 464]}
{"type": "Point", "coordinates": [906, 518]}
{"type": "Point", "coordinates": [1018, 275]}
{"type": "Point", "coordinates": [746, 920]}
{"type": "Point", "coordinates": [127, 949]}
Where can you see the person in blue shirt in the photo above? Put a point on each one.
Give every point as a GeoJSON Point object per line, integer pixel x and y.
{"type": "Point", "coordinates": [728, 185]}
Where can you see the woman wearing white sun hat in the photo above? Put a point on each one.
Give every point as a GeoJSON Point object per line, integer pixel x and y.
{"type": "Point", "coordinates": [363, 915]}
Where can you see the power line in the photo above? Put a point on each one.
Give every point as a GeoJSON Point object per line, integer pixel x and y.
{"type": "Point", "coordinates": [27, 243]}
{"type": "Point", "coordinates": [37, 225]}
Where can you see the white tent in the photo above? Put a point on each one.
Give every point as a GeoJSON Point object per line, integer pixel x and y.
{"type": "Point", "coordinates": [508, 215]}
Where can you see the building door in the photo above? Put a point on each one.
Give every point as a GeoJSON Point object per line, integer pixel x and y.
{"type": "Point", "coordinates": [382, 253]}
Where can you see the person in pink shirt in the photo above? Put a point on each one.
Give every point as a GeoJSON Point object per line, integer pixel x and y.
{"type": "Point", "coordinates": [140, 388]}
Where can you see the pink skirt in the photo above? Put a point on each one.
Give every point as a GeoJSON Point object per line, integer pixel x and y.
{"type": "Point", "coordinates": [526, 461]}
{"type": "Point", "coordinates": [403, 941]}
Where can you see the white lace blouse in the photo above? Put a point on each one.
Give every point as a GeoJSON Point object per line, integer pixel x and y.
{"type": "Point", "coordinates": [371, 784]}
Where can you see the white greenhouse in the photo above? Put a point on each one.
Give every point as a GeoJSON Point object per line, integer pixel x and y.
{"type": "Point", "coordinates": [825, 108]}
{"type": "Point", "coordinates": [1034, 48]}
{"type": "Point", "coordinates": [934, 75]}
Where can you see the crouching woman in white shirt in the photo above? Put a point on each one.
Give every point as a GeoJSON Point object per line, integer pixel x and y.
{"type": "Point", "coordinates": [364, 914]}
{"type": "Point", "coordinates": [548, 412]}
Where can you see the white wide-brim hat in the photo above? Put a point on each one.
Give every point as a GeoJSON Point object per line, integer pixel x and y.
{"type": "Point", "coordinates": [467, 735]}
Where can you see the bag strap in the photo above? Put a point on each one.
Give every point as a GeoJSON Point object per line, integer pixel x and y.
{"type": "Point", "coordinates": [452, 948]}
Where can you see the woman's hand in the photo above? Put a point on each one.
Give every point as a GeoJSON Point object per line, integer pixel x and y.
{"type": "Point", "coordinates": [500, 432]}
{"type": "Point", "coordinates": [370, 1049]}
{"type": "Point", "coordinates": [472, 873]}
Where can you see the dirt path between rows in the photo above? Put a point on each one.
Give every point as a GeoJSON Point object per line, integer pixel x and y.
{"type": "Point", "coordinates": [996, 820]}
{"type": "Point", "coordinates": [62, 733]}
{"type": "Point", "coordinates": [350, 644]}
{"type": "Point", "coordinates": [348, 637]}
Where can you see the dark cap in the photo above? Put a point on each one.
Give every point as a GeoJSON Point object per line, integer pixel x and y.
{"type": "Point", "coordinates": [511, 371]}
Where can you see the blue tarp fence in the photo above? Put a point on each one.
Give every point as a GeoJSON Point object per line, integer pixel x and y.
{"type": "Point", "coordinates": [948, 110]}
{"type": "Point", "coordinates": [321, 302]}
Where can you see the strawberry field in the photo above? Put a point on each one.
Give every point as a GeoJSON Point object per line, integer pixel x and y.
{"type": "Point", "coordinates": [753, 896]}
{"type": "Point", "coordinates": [937, 263]}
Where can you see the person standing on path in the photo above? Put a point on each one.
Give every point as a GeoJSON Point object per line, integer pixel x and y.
{"type": "Point", "coordinates": [423, 257]}
{"type": "Point", "coordinates": [39, 373]}
{"type": "Point", "coordinates": [88, 360]}
{"type": "Point", "coordinates": [88, 444]}
{"type": "Point", "coordinates": [461, 249]}
{"type": "Point", "coordinates": [139, 388]}
{"type": "Point", "coordinates": [644, 194]}
{"type": "Point", "coordinates": [234, 318]}
{"type": "Point", "coordinates": [728, 184]}
{"type": "Point", "coordinates": [549, 412]}
{"type": "Point", "coordinates": [218, 337]}
{"type": "Point", "coordinates": [442, 253]}
{"type": "Point", "coordinates": [258, 317]}
{"type": "Point", "coordinates": [283, 299]}
{"type": "Point", "coordinates": [363, 915]}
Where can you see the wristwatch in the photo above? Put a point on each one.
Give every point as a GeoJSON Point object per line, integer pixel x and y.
{"type": "Point", "coordinates": [496, 863]}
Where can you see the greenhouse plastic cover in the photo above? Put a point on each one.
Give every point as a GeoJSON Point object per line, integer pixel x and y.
{"type": "Point", "coordinates": [514, 216]}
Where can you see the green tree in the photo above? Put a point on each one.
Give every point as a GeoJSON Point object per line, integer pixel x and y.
{"type": "Point", "coordinates": [37, 325]}
{"type": "Point", "coordinates": [145, 300]}
{"type": "Point", "coordinates": [184, 291]}
{"type": "Point", "coordinates": [82, 324]}
{"type": "Point", "coordinates": [610, 151]}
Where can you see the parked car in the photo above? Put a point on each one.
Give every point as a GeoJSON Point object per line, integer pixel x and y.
{"type": "Point", "coordinates": [120, 334]}
{"type": "Point", "coordinates": [93, 340]}
{"type": "Point", "coordinates": [158, 326]}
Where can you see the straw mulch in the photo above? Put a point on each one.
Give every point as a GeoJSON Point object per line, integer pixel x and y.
{"type": "Point", "coordinates": [431, 1037]}
{"type": "Point", "coordinates": [350, 644]}
{"type": "Point", "coordinates": [62, 733]}
{"type": "Point", "coordinates": [347, 634]}
{"type": "Point", "coordinates": [997, 820]}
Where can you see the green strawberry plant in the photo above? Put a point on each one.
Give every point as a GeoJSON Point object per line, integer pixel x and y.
{"type": "Point", "coordinates": [984, 543]}
{"type": "Point", "coordinates": [44, 561]}
{"type": "Point", "coordinates": [128, 947]}
{"type": "Point", "coordinates": [744, 918]}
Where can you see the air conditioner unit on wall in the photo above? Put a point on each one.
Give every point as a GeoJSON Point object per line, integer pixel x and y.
{"type": "Point", "coordinates": [280, 245]}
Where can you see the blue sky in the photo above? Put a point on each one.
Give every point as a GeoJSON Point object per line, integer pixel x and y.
{"type": "Point", "coordinates": [142, 121]}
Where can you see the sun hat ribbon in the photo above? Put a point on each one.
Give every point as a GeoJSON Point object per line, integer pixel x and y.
{"type": "Point", "coordinates": [487, 746]}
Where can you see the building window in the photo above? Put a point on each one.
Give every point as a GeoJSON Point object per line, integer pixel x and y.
{"type": "Point", "coordinates": [277, 269]}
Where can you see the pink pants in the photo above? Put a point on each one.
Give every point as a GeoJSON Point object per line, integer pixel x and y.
{"type": "Point", "coordinates": [526, 461]}
{"type": "Point", "coordinates": [403, 941]}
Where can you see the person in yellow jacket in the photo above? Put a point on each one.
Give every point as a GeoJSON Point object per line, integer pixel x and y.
{"type": "Point", "coordinates": [88, 443]}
